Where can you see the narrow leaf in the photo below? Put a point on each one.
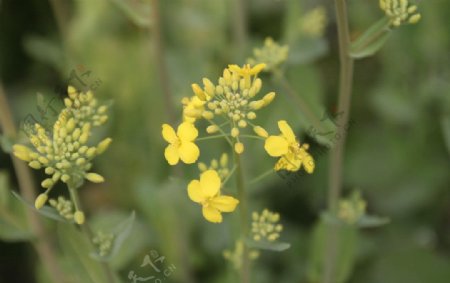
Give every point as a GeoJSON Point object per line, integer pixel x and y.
{"type": "Point", "coordinates": [266, 245]}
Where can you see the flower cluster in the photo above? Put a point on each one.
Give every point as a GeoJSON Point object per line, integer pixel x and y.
{"type": "Point", "coordinates": [271, 54]}
{"type": "Point", "coordinates": [65, 153]}
{"type": "Point", "coordinates": [314, 22]}
{"type": "Point", "coordinates": [400, 12]}
{"type": "Point", "coordinates": [235, 256]}
{"type": "Point", "coordinates": [233, 98]}
{"type": "Point", "coordinates": [207, 193]}
{"type": "Point", "coordinates": [229, 107]}
{"type": "Point", "coordinates": [221, 166]}
{"type": "Point", "coordinates": [265, 226]}
{"type": "Point", "coordinates": [103, 242]}
{"type": "Point", "coordinates": [63, 206]}
{"type": "Point", "coordinates": [352, 209]}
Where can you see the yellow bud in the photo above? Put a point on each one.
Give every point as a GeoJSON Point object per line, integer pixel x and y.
{"type": "Point", "coordinates": [22, 152]}
{"type": "Point", "coordinates": [71, 91]}
{"type": "Point", "coordinates": [239, 147]}
{"type": "Point", "coordinates": [251, 115]}
{"type": "Point", "coordinates": [49, 170]}
{"type": "Point", "coordinates": [70, 125]}
{"type": "Point", "coordinates": [40, 201]}
{"type": "Point", "coordinates": [234, 132]}
{"type": "Point", "coordinates": [65, 178]}
{"type": "Point", "coordinates": [212, 129]}
{"type": "Point", "coordinates": [47, 183]}
{"type": "Point", "coordinates": [103, 145]}
{"type": "Point", "coordinates": [257, 104]}
{"type": "Point", "coordinates": [202, 167]}
{"type": "Point", "coordinates": [91, 152]}
{"type": "Point", "coordinates": [208, 115]}
{"type": "Point", "coordinates": [242, 124]}
{"type": "Point", "coordinates": [84, 137]}
{"type": "Point", "coordinates": [43, 160]}
{"type": "Point", "coordinates": [209, 87]}
{"type": "Point", "coordinates": [192, 113]}
{"type": "Point", "coordinates": [79, 217]}
{"type": "Point", "coordinates": [224, 160]}
{"type": "Point", "coordinates": [35, 164]}
{"type": "Point", "coordinates": [414, 19]}
{"type": "Point", "coordinates": [198, 91]}
{"type": "Point", "coordinates": [94, 178]}
{"type": "Point", "coordinates": [268, 98]}
{"type": "Point", "coordinates": [68, 102]}
{"type": "Point", "coordinates": [260, 131]}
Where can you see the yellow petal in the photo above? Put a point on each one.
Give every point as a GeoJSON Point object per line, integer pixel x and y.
{"type": "Point", "coordinates": [258, 68]}
{"type": "Point", "coordinates": [224, 203]}
{"type": "Point", "coordinates": [168, 133]}
{"type": "Point", "coordinates": [288, 162]}
{"type": "Point", "coordinates": [171, 154]}
{"type": "Point", "coordinates": [307, 161]}
{"type": "Point", "coordinates": [188, 152]}
{"type": "Point", "coordinates": [276, 146]}
{"type": "Point", "coordinates": [286, 130]}
{"type": "Point", "coordinates": [210, 183]}
{"type": "Point", "coordinates": [211, 214]}
{"type": "Point", "coordinates": [187, 132]}
{"type": "Point", "coordinates": [195, 191]}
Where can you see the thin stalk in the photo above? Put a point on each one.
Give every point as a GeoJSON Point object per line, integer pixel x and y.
{"type": "Point", "coordinates": [87, 231]}
{"type": "Point", "coordinates": [43, 243]}
{"type": "Point", "coordinates": [337, 152]}
{"type": "Point", "coordinates": [160, 57]}
{"type": "Point", "coordinates": [238, 19]}
{"type": "Point", "coordinates": [262, 176]}
{"type": "Point", "coordinates": [299, 101]}
{"type": "Point", "coordinates": [245, 268]}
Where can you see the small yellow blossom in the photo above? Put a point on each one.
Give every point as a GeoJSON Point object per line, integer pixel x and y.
{"type": "Point", "coordinates": [181, 144]}
{"type": "Point", "coordinates": [352, 209]}
{"type": "Point", "coordinates": [400, 12]}
{"type": "Point", "coordinates": [206, 192]}
{"type": "Point", "coordinates": [286, 146]}
{"type": "Point", "coordinates": [235, 256]}
{"type": "Point", "coordinates": [272, 54]}
{"type": "Point", "coordinates": [314, 22]}
{"type": "Point", "coordinates": [265, 226]}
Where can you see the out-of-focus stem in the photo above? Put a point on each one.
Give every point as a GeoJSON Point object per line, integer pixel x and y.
{"type": "Point", "coordinates": [60, 11]}
{"type": "Point", "coordinates": [43, 242]}
{"type": "Point", "coordinates": [337, 153]}
{"type": "Point", "coordinates": [159, 56]}
{"type": "Point", "coordinates": [299, 101]}
{"type": "Point", "coordinates": [245, 268]}
{"type": "Point", "coordinates": [110, 275]}
{"type": "Point", "coordinates": [238, 18]}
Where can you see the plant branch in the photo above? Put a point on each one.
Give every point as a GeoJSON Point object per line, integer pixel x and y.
{"type": "Point", "coordinates": [337, 152]}
{"type": "Point", "coordinates": [159, 56]}
{"type": "Point", "coordinates": [245, 268]}
{"type": "Point", "coordinates": [43, 242]}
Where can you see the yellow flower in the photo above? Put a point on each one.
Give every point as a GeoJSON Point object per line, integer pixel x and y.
{"type": "Point", "coordinates": [286, 146]}
{"type": "Point", "coordinates": [181, 144]}
{"type": "Point", "coordinates": [206, 192]}
{"type": "Point", "coordinates": [246, 71]}
{"type": "Point", "coordinates": [193, 108]}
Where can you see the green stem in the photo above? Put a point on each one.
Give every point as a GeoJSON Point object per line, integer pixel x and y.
{"type": "Point", "coordinates": [245, 268]}
{"type": "Point", "coordinates": [299, 101]}
{"type": "Point", "coordinates": [262, 176]}
{"type": "Point", "coordinates": [43, 243]}
{"type": "Point", "coordinates": [211, 137]}
{"type": "Point", "coordinates": [239, 23]}
{"type": "Point", "coordinates": [337, 152]}
{"type": "Point", "coordinates": [86, 229]}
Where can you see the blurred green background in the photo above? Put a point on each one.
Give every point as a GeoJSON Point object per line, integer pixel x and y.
{"type": "Point", "coordinates": [397, 151]}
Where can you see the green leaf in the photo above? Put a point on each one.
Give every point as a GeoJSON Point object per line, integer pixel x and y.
{"type": "Point", "coordinates": [121, 233]}
{"type": "Point", "coordinates": [369, 221]}
{"type": "Point", "coordinates": [371, 40]}
{"type": "Point", "coordinates": [46, 210]}
{"type": "Point", "coordinates": [346, 238]}
{"type": "Point", "coordinates": [76, 249]}
{"type": "Point", "coordinates": [266, 245]}
{"type": "Point", "coordinates": [445, 122]}
{"type": "Point", "coordinates": [139, 12]}
{"type": "Point", "coordinates": [6, 143]}
{"type": "Point", "coordinates": [13, 223]}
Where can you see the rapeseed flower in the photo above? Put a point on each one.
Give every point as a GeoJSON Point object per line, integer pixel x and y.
{"type": "Point", "coordinates": [181, 144]}
{"type": "Point", "coordinates": [206, 192]}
